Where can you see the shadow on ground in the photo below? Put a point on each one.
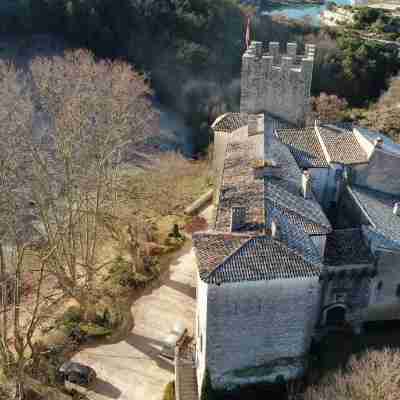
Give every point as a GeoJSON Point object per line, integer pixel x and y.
{"type": "Point", "coordinates": [106, 389]}
{"type": "Point", "coordinates": [151, 348]}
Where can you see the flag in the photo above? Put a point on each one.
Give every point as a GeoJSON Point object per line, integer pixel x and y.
{"type": "Point", "coordinates": [248, 33]}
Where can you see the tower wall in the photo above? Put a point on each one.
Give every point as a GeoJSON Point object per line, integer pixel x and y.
{"type": "Point", "coordinates": [275, 83]}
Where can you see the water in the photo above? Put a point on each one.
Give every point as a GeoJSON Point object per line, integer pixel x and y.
{"type": "Point", "coordinates": [301, 11]}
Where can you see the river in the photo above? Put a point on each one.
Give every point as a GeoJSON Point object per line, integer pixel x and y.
{"type": "Point", "coordinates": [301, 10]}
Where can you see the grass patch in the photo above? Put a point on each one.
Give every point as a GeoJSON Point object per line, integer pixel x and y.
{"type": "Point", "coordinates": [167, 189]}
{"type": "Point", "coordinates": [169, 391]}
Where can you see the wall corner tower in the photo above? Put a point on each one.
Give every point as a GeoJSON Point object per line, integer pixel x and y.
{"type": "Point", "coordinates": [275, 83]}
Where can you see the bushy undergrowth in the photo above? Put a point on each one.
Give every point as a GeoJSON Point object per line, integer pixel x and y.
{"type": "Point", "coordinates": [169, 391]}
{"type": "Point", "coordinates": [373, 376]}
{"type": "Point", "coordinates": [78, 330]}
{"type": "Point", "coordinates": [123, 273]}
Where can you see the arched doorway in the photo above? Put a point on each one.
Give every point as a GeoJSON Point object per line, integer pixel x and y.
{"type": "Point", "coordinates": [335, 316]}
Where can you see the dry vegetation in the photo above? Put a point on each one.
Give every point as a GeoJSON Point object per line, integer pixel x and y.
{"type": "Point", "coordinates": [373, 376]}
{"type": "Point", "coordinates": [384, 116]}
{"type": "Point", "coordinates": [71, 221]}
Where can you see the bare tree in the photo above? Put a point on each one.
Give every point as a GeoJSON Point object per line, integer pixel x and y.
{"type": "Point", "coordinates": [100, 113]}
{"type": "Point", "coordinates": [372, 376]}
{"type": "Point", "coordinates": [328, 108]}
{"type": "Point", "coordinates": [384, 116]}
{"type": "Point", "coordinates": [20, 316]}
{"type": "Point", "coordinates": [15, 121]}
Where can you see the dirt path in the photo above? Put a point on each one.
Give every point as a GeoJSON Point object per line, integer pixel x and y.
{"type": "Point", "coordinates": [131, 368]}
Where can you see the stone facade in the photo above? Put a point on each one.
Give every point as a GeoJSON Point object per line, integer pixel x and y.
{"type": "Point", "coordinates": [248, 333]}
{"type": "Point", "coordinates": [381, 173]}
{"type": "Point", "coordinates": [275, 83]}
{"type": "Point", "coordinates": [283, 266]}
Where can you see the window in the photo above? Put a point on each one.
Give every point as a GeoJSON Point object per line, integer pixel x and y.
{"type": "Point", "coordinates": [340, 297]}
{"type": "Point", "coordinates": [398, 290]}
{"type": "Point", "coordinates": [378, 291]}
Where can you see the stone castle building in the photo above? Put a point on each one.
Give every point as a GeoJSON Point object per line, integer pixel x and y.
{"type": "Point", "coordinates": [277, 84]}
{"type": "Point", "coordinates": [306, 232]}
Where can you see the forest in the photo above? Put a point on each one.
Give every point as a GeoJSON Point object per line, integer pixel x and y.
{"type": "Point", "coordinates": [189, 50]}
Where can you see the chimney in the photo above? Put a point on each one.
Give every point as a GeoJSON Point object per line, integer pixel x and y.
{"type": "Point", "coordinates": [238, 218]}
{"type": "Point", "coordinates": [306, 184]}
{"type": "Point", "coordinates": [378, 142]}
{"type": "Point", "coordinates": [255, 124]}
{"type": "Point", "coordinates": [275, 230]}
{"type": "Point", "coordinates": [396, 209]}
{"type": "Point", "coordinates": [252, 124]}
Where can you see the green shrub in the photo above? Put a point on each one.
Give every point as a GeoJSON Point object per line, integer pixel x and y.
{"type": "Point", "coordinates": [73, 314]}
{"type": "Point", "coordinates": [94, 330]}
{"type": "Point", "coordinates": [207, 391]}
{"type": "Point", "coordinates": [169, 391]}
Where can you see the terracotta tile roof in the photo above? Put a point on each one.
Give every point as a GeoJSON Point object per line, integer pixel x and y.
{"type": "Point", "coordinates": [346, 246]}
{"type": "Point", "coordinates": [304, 145]}
{"type": "Point", "coordinates": [308, 226]}
{"type": "Point", "coordinates": [378, 207]}
{"type": "Point", "coordinates": [240, 188]}
{"type": "Point", "coordinates": [230, 122]}
{"type": "Point", "coordinates": [213, 248]}
{"type": "Point", "coordinates": [306, 212]}
{"type": "Point", "coordinates": [342, 145]}
{"type": "Point", "coordinates": [252, 259]}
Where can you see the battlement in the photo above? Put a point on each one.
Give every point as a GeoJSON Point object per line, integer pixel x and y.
{"type": "Point", "coordinates": [274, 58]}
{"type": "Point", "coordinates": [276, 82]}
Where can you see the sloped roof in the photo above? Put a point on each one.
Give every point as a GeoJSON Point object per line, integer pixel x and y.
{"type": "Point", "coordinates": [231, 258]}
{"type": "Point", "coordinates": [240, 188]}
{"type": "Point", "coordinates": [230, 122]}
{"type": "Point", "coordinates": [305, 146]}
{"type": "Point", "coordinates": [342, 145]}
{"type": "Point", "coordinates": [346, 246]}
{"type": "Point", "coordinates": [307, 225]}
{"type": "Point", "coordinates": [378, 207]}
{"type": "Point", "coordinates": [307, 212]}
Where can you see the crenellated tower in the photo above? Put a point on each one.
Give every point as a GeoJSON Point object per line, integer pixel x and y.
{"type": "Point", "coordinates": [275, 83]}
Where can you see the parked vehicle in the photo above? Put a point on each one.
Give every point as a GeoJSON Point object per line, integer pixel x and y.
{"type": "Point", "coordinates": [76, 373]}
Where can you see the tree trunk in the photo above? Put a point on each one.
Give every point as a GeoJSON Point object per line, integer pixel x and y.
{"type": "Point", "coordinates": [19, 388]}
{"type": "Point", "coordinates": [88, 307]}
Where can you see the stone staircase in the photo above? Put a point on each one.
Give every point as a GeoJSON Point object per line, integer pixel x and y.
{"type": "Point", "coordinates": [188, 383]}
{"type": "Point", "coordinates": [185, 374]}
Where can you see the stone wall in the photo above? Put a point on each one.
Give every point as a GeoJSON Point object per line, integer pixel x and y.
{"type": "Point", "coordinates": [201, 330]}
{"type": "Point", "coordinates": [319, 182]}
{"type": "Point", "coordinates": [277, 84]}
{"type": "Point", "coordinates": [385, 292]}
{"type": "Point", "coordinates": [256, 330]}
{"type": "Point", "coordinates": [351, 290]}
{"type": "Point", "coordinates": [350, 214]}
{"type": "Point", "coordinates": [319, 243]}
{"type": "Point", "coordinates": [381, 173]}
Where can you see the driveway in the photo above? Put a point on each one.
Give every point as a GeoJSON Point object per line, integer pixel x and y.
{"type": "Point", "coordinates": [131, 369]}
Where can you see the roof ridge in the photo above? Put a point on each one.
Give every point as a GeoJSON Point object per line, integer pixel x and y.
{"type": "Point", "coordinates": [307, 218]}
{"type": "Point", "coordinates": [230, 255]}
{"type": "Point", "coordinates": [222, 233]}
{"type": "Point", "coordinates": [295, 252]}
{"type": "Point", "coordinates": [270, 239]}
